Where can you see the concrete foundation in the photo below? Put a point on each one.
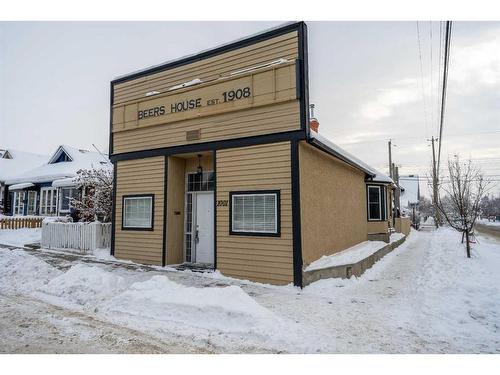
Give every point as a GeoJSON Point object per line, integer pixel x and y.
{"type": "Point", "coordinates": [345, 271]}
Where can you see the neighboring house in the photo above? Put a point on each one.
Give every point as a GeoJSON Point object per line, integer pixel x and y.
{"type": "Point", "coordinates": [13, 162]}
{"type": "Point", "coordinates": [46, 189]}
{"type": "Point", "coordinates": [217, 163]}
{"type": "Point", "coordinates": [410, 191]}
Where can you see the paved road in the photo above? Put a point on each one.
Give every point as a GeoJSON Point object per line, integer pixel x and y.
{"type": "Point", "coordinates": [488, 230]}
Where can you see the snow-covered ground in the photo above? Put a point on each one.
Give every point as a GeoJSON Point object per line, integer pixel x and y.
{"type": "Point", "coordinates": [20, 237]}
{"type": "Point", "coordinates": [489, 223]}
{"type": "Point", "coordinates": [425, 296]}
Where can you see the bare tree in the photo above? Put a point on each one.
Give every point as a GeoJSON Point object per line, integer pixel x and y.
{"type": "Point", "coordinates": [464, 190]}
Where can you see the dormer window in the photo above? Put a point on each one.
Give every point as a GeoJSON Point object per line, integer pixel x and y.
{"type": "Point", "coordinates": [60, 156]}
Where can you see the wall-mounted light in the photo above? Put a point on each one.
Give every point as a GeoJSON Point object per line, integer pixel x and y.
{"type": "Point", "coordinates": [199, 170]}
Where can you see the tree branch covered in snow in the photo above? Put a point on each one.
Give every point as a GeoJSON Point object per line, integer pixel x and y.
{"type": "Point", "coordinates": [97, 189]}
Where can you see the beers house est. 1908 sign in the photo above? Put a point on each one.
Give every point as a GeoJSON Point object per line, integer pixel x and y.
{"type": "Point", "coordinates": [193, 103]}
{"type": "Point", "coordinates": [208, 98]}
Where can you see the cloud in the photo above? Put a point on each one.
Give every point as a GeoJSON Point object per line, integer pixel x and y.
{"type": "Point", "coordinates": [476, 62]}
{"type": "Point", "coordinates": [388, 99]}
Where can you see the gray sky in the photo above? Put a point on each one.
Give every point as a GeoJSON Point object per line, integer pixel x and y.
{"type": "Point", "coordinates": [365, 80]}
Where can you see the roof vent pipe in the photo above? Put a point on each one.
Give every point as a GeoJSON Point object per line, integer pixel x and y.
{"type": "Point", "coordinates": [313, 121]}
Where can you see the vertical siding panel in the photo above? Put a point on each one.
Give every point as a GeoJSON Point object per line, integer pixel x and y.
{"type": "Point", "coordinates": [140, 176]}
{"type": "Point", "coordinates": [263, 259]}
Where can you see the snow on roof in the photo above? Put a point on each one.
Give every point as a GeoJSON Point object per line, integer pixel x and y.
{"type": "Point", "coordinates": [65, 182]}
{"type": "Point", "coordinates": [139, 71]}
{"type": "Point", "coordinates": [47, 172]}
{"type": "Point", "coordinates": [342, 154]}
{"type": "Point", "coordinates": [410, 190]}
{"type": "Point", "coordinates": [21, 162]}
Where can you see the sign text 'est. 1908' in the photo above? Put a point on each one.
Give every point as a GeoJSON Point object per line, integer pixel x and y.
{"type": "Point", "coordinates": [189, 104]}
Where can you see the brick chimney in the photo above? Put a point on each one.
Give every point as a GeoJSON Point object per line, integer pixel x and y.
{"type": "Point", "coordinates": [313, 121]}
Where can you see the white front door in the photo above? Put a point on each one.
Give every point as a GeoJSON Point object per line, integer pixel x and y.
{"type": "Point", "coordinates": [204, 229]}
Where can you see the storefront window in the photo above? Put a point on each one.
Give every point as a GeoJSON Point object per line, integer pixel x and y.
{"type": "Point", "coordinates": [138, 212]}
{"type": "Point", "coordinates": [255, 213]}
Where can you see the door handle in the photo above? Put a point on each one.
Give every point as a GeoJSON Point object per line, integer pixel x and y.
{"type": "Point", "coordinates": [196, 237]}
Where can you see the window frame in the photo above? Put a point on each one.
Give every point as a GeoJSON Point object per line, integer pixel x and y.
{"type": "Point", "coordinates": [61, 198]}
{"type": "Point", "coordinates": [382, 203]}
{"type": "Point", "coordinates": [136, 196]}
{"type": "Point", "coordinates": [252, 233]}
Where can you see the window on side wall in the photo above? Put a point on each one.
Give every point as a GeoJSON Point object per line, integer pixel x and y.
{"type": "Point", "coordinates": [376, 203]}
{"type": "Point", "coordinates": [255, 213]}
{"type": "Point", "coordinates": [66, 195]}
{"type": "Point", "coordinates": [138, 212]}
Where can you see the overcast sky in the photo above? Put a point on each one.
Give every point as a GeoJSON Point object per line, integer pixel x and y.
{"type": "Point", "coordinates": [365, 79]}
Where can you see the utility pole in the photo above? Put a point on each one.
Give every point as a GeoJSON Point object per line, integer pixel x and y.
{"type": "Point", "coordinates": [437, 217]}
{"type": "Point", "coordinates": [390, 157]}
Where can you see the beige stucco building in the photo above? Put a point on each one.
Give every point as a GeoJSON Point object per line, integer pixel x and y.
{"type": "Point", "coordinates": [216, 165]}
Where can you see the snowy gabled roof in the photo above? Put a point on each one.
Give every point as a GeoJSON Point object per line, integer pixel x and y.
{"type": "Point", "coordinates": [49, 171]}
{"type": "Point", "coordinates": [20, 162]}
{"type": "Point", "coordinates": [350, 159]}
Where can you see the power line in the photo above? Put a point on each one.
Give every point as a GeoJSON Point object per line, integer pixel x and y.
{"type": "Point", "coordinates": [422, 81]}
{"type": "Point", "coordinates": [445, 83]}
{"type": "Point", "coordinates": [431, 69]}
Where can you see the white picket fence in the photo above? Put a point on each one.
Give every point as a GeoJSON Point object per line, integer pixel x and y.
{"type": "Point", "coordinates": [82, 237]}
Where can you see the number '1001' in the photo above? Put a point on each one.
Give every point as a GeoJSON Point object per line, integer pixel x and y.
{"type": "Point", "coordinates": [236, 94]}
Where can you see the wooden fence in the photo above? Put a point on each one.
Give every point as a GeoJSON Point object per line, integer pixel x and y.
{"type": "Point", "coordinates": [20, 222]}
{"type": "Point", "coordinates": [82, 237]}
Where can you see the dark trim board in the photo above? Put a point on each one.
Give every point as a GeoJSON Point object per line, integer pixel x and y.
{"type": "Point", "coordinates": [214, 168]}
{"type": "Point", "coordinates": [303, 78]}
{"type": "Point", "coordinates": [111, 102]}
{"type": "Point", "coordinates": [211, 146]}
{"type": "Point", "coordinates": [165, 212]}
{"type": "Point", "coordinates": [113, 210]}
{"type": "Point", "coordinates": [152, 196]}
{"type": "Point", "coordinates": [214, 52]}
{"type": "Point", "coordinates": [296, 228]}
{"type": "Point", "coordinates": [259, 234]}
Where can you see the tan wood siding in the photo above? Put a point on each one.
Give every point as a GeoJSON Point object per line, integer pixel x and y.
{"type": "Point", "coordinates": [272, 106]}
{"type": "Point", "coordinates": [264, 86]}
{"type": "Point", "coordinates": [141, 176]}
{"type": "Point", "coordinates": [262, 167]}
{"type": "Point", "coordinates": [245, 123]}
{"type": "Point", "coordinates": [284, 46]}
{"type": "Point", "coordinates": [175, 209]}
{"type": "Point", "coordinates": [332, 204]}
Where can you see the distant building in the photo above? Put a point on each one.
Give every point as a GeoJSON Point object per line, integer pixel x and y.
{"type": "Point", "coordinates": [12, 163]}
{"type": "Point", "coordinates": [410, 191]}
{"type": "Point", "coordinates": [46, 188]}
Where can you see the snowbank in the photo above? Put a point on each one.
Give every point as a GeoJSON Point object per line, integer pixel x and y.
{"type": "Point", "coordinates": [20, 237]}
{"type": "Point", "coordinates": [226, 309]}
{"type": "Point", "coordinates": [21, 271]}
{"type": "Point", "coordinates": [489, 223]}
{"type": "Point", "coordinates": [84, 285]}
